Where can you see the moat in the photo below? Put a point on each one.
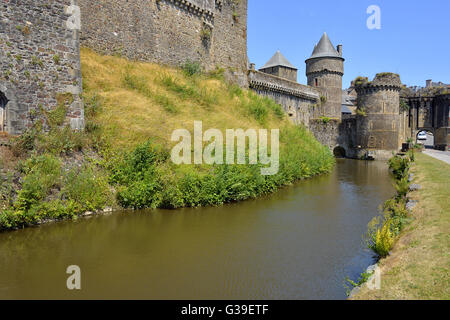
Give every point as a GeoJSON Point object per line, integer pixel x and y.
{"type": "Point", "coordinates": [300, 243]}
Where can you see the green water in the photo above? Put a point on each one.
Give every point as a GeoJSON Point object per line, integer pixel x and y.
{"type": "Point", "coordinates": [300, 243]}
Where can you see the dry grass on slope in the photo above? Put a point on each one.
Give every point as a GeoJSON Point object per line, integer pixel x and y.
{"type": "Point", "coordinates": [145, 100]}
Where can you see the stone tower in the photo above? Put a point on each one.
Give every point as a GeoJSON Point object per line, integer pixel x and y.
{"type": "Point", "coordinates": [378, 122]}
{"type": "Point", "coordinates": [324, 70]}
{"type": "Point", "coordinates": [279, 66]}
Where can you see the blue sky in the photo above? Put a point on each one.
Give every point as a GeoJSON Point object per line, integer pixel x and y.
{"type": "Point", "coordinates": [414, 39]}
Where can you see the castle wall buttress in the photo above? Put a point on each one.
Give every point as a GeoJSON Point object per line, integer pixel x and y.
{"type": "Point", "coordinates": [39, 63]}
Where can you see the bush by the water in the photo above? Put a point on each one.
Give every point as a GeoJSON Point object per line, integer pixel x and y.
{"type": "Point", "coordinates": [383, 232]}
{"type": "Point", "coordinates": [399, 166]}
{"type": "Point", "coordinates": [46, 193]}
{"type": "Point", "coordinates": [381, 237]}
{"type": "Point", "coordinates": [145, 178]}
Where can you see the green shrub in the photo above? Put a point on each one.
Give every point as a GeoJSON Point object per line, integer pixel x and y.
{"type": "Point", "coordinates": [402, 187]}
{"type": "Point", "coordinates": [138, 176]}
{"type": "Point", "coordinates": [6, 190]}
{"type": "Point", "coordinates": [61, 141]}
{"type": "Point", "coordinates": [361, 112]}
{"type": "Point", "coordinates": [42, 173]}
{"type": "Point", "coordinates": [380, 237]}
{"type": "Point", "coordinates": [396, 210]}
{"type": "Point", "coordinates": [88, 187]}
{"type": "Point", "coordinates": [399, 166]}
{"type": "Point", "coordinates": [8, 219]}
{"type": "Point", "coordinates": [55, 209]}
{"type": "Point", "coordinates": [412, 155]}
{"type": "Point", "coordinates": [24, 143]}
{"type": "Point", "coordinates": [325, 120]}
{"type": "Point", "coordinates": [192, 68]}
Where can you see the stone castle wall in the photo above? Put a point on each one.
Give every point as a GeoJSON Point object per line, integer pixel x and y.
{"type": "Point", "coordinates": [39, 59]}
{"type": "Point", "coordinates": [378, 124]}
{"type": "Point", "coordinates": [336, 134]}
{"type": "Point", "coordinates": [429, 113]}
{"type": "Point", "coordinates": [213, 32]}
{"type": "Point", "coordinates": [295, 98]}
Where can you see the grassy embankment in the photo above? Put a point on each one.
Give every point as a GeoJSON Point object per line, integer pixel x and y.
{"type": "Point", "coordinates": [418, 266]}
{"type": "Point", "coordinates": [122, 159]}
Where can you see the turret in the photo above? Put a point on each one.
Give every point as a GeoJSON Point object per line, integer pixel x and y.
{"type": "Point", "coordinates": [378, 123]}
{"type": "Point", "coordinates": [279, 66]}
{"type": "Point", "coordinates": [324, 70]}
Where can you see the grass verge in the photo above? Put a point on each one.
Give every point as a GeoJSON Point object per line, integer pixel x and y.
{"type": "Point", "coordinates": [418, 266]}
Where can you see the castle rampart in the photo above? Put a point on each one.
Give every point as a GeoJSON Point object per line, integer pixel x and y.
{"type": "Point", "coordinates": [171, 32]}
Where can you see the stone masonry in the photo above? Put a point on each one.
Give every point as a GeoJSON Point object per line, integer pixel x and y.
{"type": "Point", "coordinates": [378, 120]}
{"type": "Point", "coordinates": [171, 32]}
{"type": "Point", "coordinates": [39, 60]}
{"type": "Point", "coordinates": [296, 99]}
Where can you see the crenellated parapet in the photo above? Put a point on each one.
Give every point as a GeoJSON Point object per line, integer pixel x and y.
{"type": "Point", "coordinates": [204, 9]}
{"type": "Point", "coordinates": [263, 81]}
{"type": "Point", "coordinates": [382, 82]}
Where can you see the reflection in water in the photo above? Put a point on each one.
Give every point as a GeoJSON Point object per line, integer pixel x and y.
{"type": "Point", "coordinates": [300, 243]}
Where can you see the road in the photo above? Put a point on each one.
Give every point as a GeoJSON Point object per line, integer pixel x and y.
{"type": "Point", "coordinates": [440, 155]}
{"type": "Point", "coordinates": [429, 144]}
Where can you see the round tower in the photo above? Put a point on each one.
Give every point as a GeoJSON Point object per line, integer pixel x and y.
{"type": "Point", "coordinates": [378, 116]}
{"type": "Point", "coordinates": [324, 70]}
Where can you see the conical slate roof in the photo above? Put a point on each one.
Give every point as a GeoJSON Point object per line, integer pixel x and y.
{"type": "Point", "coordinates": [325, 49]}
{"type": "Point", "coordinates": [278, 60]}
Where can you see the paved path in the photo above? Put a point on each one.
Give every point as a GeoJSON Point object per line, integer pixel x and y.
{"type": "Point", "coordinates": [440, 155]}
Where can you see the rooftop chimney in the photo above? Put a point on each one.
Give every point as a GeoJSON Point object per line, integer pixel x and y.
{"type": "Point", "coordinates": [339, 49]}
{"type": "Point", "coordinates": [429, 83]}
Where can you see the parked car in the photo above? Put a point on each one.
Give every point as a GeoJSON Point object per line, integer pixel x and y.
{"type": "Point", "coordinates": [422, 136]}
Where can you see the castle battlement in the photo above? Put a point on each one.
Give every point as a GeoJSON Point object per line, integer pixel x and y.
{"type": "Point", "coordinates": [382, 81]}
{"type": "Point", "coordinates": [262, 81]}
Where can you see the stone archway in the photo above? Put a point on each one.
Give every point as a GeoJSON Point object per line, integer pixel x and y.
{"type": "Point", "coordinates": [429, 142]}
{"type": "Point", "coordinates": [340, 152]}
{"type": "Point", "coordinates": [3, 103]}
